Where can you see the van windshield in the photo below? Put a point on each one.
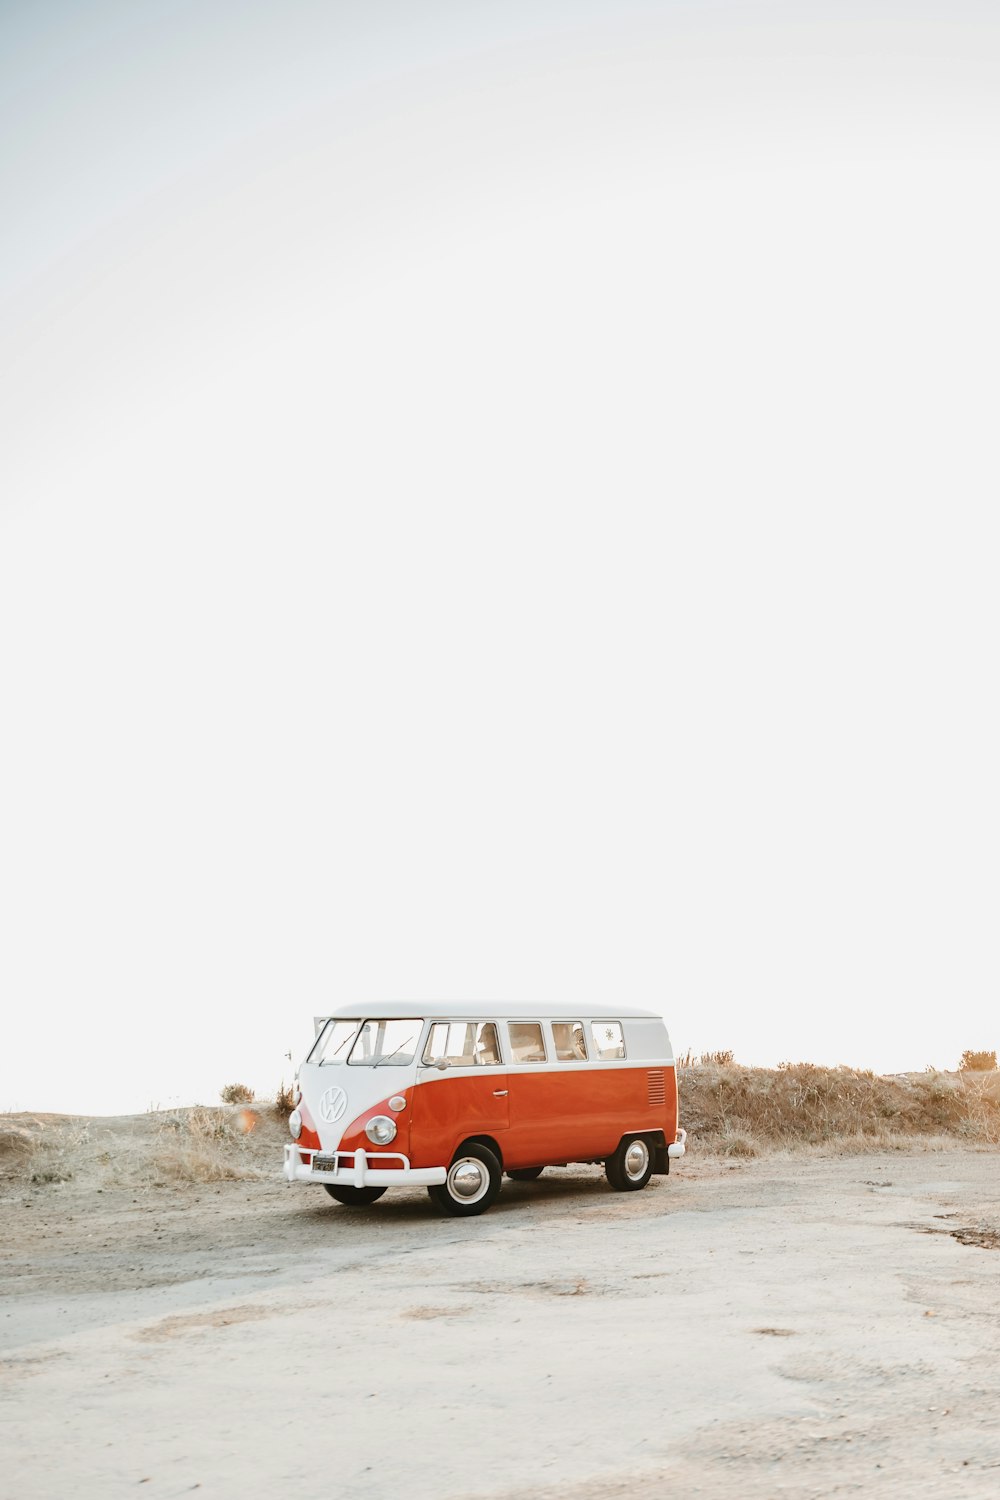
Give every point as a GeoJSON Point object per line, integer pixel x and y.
{"type": "Point", "coordinates": [334, 1042]}
{"type": "Point", "coordinates": [389, 1044]}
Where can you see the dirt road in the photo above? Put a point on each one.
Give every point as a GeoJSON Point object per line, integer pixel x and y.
{"type": "Point", "coordinates": [796, 1327]}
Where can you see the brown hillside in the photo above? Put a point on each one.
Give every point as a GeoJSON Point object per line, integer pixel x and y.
{"type": "Point", "coordinates": [744, 1111]}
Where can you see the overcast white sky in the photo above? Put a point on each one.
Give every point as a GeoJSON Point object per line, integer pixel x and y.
{"type": "Point", "coordinates": [496, 499]}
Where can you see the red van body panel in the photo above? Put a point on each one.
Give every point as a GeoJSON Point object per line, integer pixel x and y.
{"type": "Point", "coordinates": [564, 1115]}
{"type": "Point", "coordinates": [446, 1111]}
{"type": "Point", "coordinates": [543, 1117]}
{"type": "Point", "coordinates": [354, 1136]}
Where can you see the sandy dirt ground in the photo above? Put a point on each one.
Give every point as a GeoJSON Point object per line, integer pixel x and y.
{"type": "Point", "coordinates": [796, 1326]}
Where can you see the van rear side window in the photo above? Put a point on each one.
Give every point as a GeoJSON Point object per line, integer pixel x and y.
{"type": "Point", "coordinates": [571, 1043]}
{"type": "Point", "coordinates": [609, 1040]}
{"type": "Point", "coordinates": [526, 1044]}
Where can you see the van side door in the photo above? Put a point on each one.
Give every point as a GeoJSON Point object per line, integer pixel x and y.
{"type": "Point", "coordinates": [461, 1090]}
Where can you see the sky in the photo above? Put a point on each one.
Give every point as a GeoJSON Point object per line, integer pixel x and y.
{"type": "Point", "coordinates": [497, 500]}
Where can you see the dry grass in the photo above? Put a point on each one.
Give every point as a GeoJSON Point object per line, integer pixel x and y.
{"type": "Point", "coordinates": [205, 1145]}
{"type": "Point", "coordinates": [32, 1151]}
{"type": "Point", "coordinates": [19, 1148]}
{"type": "Point", "coordinates": [57, 1155]}
{"type": "Point", "coordinates": [722, 1059]}
{"type": "Point", "coordinates": [742, 1111]}
{"type": "Point", "coordinates": [140, 1151]}
{"type": "Point", "coordinates": [725, 1059]}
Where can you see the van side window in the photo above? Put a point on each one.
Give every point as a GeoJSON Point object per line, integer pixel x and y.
{"type": "Point", "coordinates": [609, 1040]}
{"type": "Point", "coordinates": [463, 1044]}
{"type": "Point", "coordinates": [526, 1042]}
{"type": "Point", "coordinates": [571, 1044]}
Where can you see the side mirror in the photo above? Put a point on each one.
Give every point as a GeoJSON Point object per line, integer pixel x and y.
{"type": "Point", "coordinates": [440, 1064]}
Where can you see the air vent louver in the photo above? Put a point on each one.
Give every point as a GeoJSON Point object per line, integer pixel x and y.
{"type": "Point", "coordinates": [657, 1079]}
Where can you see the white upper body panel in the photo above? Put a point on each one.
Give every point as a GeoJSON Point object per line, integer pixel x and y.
{"type": "Point", "coordinates": [485, 1010]}
{"type": "Point", "coordinates": [644, 1031]}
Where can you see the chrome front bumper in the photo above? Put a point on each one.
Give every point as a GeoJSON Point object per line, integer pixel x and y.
{"type": "Point", "coordinates": [354, 1169]}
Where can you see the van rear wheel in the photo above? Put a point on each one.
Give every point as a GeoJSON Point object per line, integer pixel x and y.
{"type": "Point", "coordinates": [525, 1174]}
{"type": "Point", "coordinates": [472, 1184]}
{"type": "Point", "coordinates": [631, 1167]}
{"type": "Point", "coordinates": [354, 1197]}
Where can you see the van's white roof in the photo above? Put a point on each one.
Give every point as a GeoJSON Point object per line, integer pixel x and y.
{"type": "Point", "coordinates": [486, 1010]}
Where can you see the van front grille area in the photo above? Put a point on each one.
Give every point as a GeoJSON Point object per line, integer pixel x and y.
{"type": "Point", "coordinates": [657, 1086]}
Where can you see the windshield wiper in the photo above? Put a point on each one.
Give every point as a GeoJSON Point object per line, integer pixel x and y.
{"type": "Point", "coordinates": [381, 1060]}
{"type": "Point", "coordinates": [346, 1040]}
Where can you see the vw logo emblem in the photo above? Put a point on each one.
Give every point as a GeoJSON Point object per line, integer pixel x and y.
{"type": "Point", "coordinates": [332, 1104]}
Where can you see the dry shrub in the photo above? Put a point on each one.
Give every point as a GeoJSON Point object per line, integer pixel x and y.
{"type": "Point", "coordinates": [284, 1100]}
{"type": "Point", "coordinates": [981, 1120]}
{"type": "Point", "coordinates": [978, 1062]}
{"type": "Point", "coordinates": [801, 1104]}
{"type": "Point", "coordinates": [203, 1145]}
{"type": "Point", "coordinates": [43, 1154]}
{"type": "Point", "coordinates": [18, 1146]}
{"type": "Point", "coordinates": [16, 1141]}
{"type": "Point", "coordinates": [236, 1093]}
{"type": "Point", "coordinates": [736, 1142]}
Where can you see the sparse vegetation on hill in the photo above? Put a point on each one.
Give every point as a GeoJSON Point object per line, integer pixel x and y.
{"type": "Point", "coordinates": [157, 1149]}
{"type": "Point", "coordinates": [743, 1111]}
{"type": "Point", "coordinates": [726, 1109]}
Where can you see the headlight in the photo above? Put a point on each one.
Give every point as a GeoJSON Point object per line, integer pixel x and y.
{"type": "Point", "coordinates": [295, 1124]}
{"type": "Point", "coordinates": [381, 1130]}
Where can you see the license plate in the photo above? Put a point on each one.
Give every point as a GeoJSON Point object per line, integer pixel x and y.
{"type": "Point", "coordinates": [324, 1164]}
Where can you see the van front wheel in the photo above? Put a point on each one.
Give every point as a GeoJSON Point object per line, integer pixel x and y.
{"type": "Point", "coordinates": [472, 1184]}
{"type": "Point", "coordinates": [354, 1197]}
{"type": "Point", "coordinates": [631, 1167]}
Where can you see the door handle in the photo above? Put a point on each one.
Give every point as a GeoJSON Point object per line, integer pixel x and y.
{"type": "Point", "coordinates": [499, 1093]}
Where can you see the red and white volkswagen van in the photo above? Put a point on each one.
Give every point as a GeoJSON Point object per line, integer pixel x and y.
{"type": "Point", "coordinates": [449, 1097]}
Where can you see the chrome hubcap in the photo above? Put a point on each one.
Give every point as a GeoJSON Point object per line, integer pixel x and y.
{"type": "Point", "coordinates": [468, 1179]}
{"type": "Point", "coordinates": [636, 1159]}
